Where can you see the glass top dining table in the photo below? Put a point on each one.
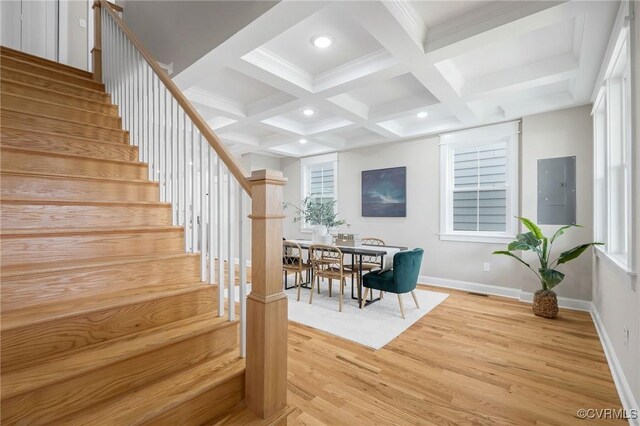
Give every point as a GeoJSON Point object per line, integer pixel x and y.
{"type": "Point", "coordinates": [357, 252]}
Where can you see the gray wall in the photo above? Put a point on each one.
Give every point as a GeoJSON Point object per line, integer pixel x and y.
{"type": "Point", "coordinates": [615, 294]}
{"type": "Point", "coordinates": [560, 133]}
{"type": "Point", "coordinates": [183, 31]}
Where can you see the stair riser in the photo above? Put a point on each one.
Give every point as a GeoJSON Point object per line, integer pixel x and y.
{"type": "Point", "coordinates": [22, 216]}
{"type": "Point", "coordinates": [7, 52]}
{"type": "Point", "coordinates": [10, 87]}
{"type": "Point", "coordinates": [47, 188]}
{"type": "Point", "coordinates": [58, 86]}
{"type": "Point", "coordinates": [83, 117]}
{"type": "Point", "coordinates": [33, 289]}
{"type": "Point", "coordinates": [19, 120]}
{"type": "Point", "coordinates": [26, 66]}
{"type": "Point", "coordinates": [63, 398]}
{"type": "Point", "coordinates": [39, 342]}
{"type": "Point", "coordinates": [24, 161]}
{"type": "Point", "coordinates": [205, 407]}
{"type": "Point", "coordinates": [28, 249]}
{"type": "Point", "coordinates": [62, 144]}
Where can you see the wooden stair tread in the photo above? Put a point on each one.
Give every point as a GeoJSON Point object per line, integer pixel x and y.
{"type": "Point", "coordinates": [19, 64]}
{"type": "Point", "coordinates": [151, 401]}
{"type": "Point", "coordinates": [93, 357]}
{"type": "Point", "coordinates": [72, 137]}
{"type": "Point", "coordinates": [57, 81]}
{"type": "Point", "coordinates": [82, 306]}
{"type": "Point", "coordinates": [72, 156]}
{"type": "Point", "coordinates": [47, 232]}
{"type": "Point", "coordinates": [76, 177]}
{"type": "Point", "coordinates": [57, 92]}
{"type": "Point", "coordinates": [45, 201]}
{"type": "Point", "coordinates": [81, 122]}
{"type": "Point", "coordinates": [7, 51]}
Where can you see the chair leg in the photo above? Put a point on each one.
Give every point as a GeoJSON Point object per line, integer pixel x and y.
{"type": "Point", "coordinates": [298, 284]}
{"type": "Point", "coordinates": [364, 298]}
{"type": "Point", "coordinates": [342, 284]}
{"type": "Point", "coordinates": [330, 286]}
{"type": "Point", "coordinates": [381, 294]}
{"type": "Point", "coordinates": [313, 284]}
{"type": "Point", "coordinates": [415, 298]}
{"type": "Point", "coordinates": [401, 306]}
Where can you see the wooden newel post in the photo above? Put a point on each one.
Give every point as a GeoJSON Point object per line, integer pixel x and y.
{"type": "Point", "coordinates": [96, 52]}
{"type": "Point", "coordinates": [266, 373]}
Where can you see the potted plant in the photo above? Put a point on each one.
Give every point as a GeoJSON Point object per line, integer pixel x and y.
{"type": "Point", "coordinates": [321, 214]}
{"type": "Point", "coordinates": [545, 302]}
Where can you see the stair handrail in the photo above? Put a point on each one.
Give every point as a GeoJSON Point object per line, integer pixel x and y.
{"type": "Point", "coordinates": [212, 139]}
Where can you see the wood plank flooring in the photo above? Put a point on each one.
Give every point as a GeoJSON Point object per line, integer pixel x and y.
{"type": "Point", "coordinates": [472, 360]}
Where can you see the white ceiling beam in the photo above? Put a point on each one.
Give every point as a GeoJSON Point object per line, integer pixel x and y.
{"type": "Point", "coordinates": [266, 27]}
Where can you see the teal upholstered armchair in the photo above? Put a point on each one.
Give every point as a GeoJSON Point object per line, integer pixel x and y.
{"type": "Point", "coordinates": [401, 279]}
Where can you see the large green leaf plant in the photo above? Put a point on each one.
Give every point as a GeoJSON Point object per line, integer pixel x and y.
{"type": "Point", "coordinates": [535, 241]}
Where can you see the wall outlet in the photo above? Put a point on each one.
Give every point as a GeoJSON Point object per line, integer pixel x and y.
{"type": "Point", "coordinates": [82, 23]}
{"type": "Point", "coordinates": [487, 267]}
{"type": "Point", "coordinates": [626, 337]}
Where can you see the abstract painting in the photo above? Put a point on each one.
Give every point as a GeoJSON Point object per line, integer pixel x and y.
{"type": "Point", "coordinates": [384, 192]}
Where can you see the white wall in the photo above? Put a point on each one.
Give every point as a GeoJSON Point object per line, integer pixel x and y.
{"type": "Point", "coordinates": [253, 161]}
{"type": "Point", "coordinates": [77, 40]}
{"type": "Point", "coordinates": [615, 294]}
{"type": "Point", "coordinates": [560, 133]}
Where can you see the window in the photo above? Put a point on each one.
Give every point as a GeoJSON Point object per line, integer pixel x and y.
{"type": "Point", "coordinates": [479, 184]}
{"type": "Point", "coordinates": [612, 116]}
{"type": "Point", "coordinates": [319, 178]}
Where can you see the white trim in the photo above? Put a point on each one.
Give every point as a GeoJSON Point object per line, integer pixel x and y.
{"type": "Point", "coordinates": [563, 302]}
{"type": "Point", "coordinates": [619, 379]}
{"type": "Point", "coordinates": [504, 133]}
{"type": "Point", "coordinates": [513, 293]}
{"type": "Point", "coordinates": [477, 237]}
{"type": "Point", "coordinates": [614, 262]}
{"type": "Point", "coordinates": [305, 163]}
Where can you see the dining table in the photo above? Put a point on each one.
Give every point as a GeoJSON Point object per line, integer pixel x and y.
{"type": "Point", "coordinates": [357, 252]}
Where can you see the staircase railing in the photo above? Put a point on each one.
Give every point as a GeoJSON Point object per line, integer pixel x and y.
{"type": "Point", "coordinates": [211, 196]}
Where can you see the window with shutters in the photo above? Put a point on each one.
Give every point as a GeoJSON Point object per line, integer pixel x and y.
{"type": "Point", "coordinates": [479, 187]}
{"type": "Point", "coordinates": [613, 153]}
{"type": "Point", "coordinates": [319, 179]}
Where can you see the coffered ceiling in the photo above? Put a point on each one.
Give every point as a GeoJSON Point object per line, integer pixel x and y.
{"type": "Point", "coordinates": [395, 70]}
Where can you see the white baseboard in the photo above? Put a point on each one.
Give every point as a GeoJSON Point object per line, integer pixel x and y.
{"type": "Point", "coordinates": [563, 302]}
{"type": "Point", "coordinates": [495, 290]}
{"type": "Point", "coordinates": [622, 386]}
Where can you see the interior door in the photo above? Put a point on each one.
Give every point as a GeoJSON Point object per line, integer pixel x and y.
{"type": "Point", "coordinates": [31, 26]}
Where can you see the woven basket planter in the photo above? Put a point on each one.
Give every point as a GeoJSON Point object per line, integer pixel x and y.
{"type": "Point", "coordinates": [545, 304]}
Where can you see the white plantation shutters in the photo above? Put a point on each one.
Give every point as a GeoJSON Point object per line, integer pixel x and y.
{"type": "Point", "coordinates": [322, 181]}
{"type": "Point", "coordinates": [479, 169]}
{"type": "Point", "coordinates": [479, 190]}
{"type": "Point", "coordinates": [319, 175]}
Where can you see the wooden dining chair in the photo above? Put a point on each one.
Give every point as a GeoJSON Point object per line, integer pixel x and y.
{"type": "Point", "coordinates": [293, 262]}
{"type": "Point", "coordinates": [369, 263]}
{"type": "Point", "coordinates": [328, 262]}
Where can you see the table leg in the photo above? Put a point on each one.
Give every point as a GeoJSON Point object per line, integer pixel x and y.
{"type": "Point", "coordinates": [360, 282]}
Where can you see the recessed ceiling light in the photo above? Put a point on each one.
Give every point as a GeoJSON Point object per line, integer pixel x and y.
{"type": "Point", "coordinates": [303, 141]}
{"type": "Point", "coordinates": [308, 112]}
{"type": "Point", "coordinates": [422, 114]}
{"type": "Point", "coordinates": [322, 41]}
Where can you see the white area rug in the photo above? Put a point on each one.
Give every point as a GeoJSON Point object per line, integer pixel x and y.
{"type": "Point", "coordinates": [373, 326]}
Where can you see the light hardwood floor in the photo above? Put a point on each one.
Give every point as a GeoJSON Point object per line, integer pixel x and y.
{"type": "Point", "coordinates": [472, 360]}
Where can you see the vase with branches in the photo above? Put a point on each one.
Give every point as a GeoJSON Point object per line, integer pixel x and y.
{"type": "Point", "coordinates": [320, 213]}
{"type": "Point", "coordinates": [545, 302]}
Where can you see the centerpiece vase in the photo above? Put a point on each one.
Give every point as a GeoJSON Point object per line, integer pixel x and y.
{"type": "Point", "coordinates": [318, 233]}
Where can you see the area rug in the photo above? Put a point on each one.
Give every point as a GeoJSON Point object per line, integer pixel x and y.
{"type": "Point", "coordinates": [373, 326]}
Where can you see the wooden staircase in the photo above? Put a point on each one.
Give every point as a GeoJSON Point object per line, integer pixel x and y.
{"type": "Point", "coordinates": [104, 317]}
